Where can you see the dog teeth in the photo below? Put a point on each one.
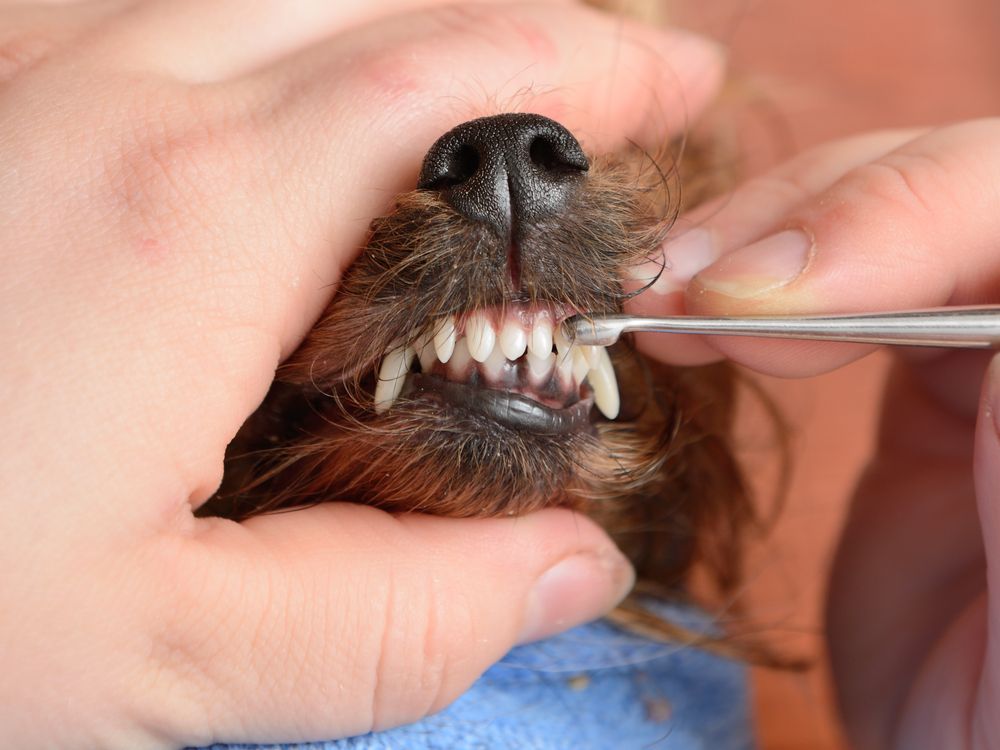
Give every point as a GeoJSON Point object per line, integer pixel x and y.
{"type": "Point", "coordinates": [580, 364]}
{"type": "Point", "coordinates": [605, 385]}
{"type": "Point", "coordinates": [563, 344]}
{"type": "Point", "coordinates": [540, 368]}
{"type": "Point", "coordinates": [540, 342]}
{"type": "Point", "coordinates": [494, 366]}
{"type": "Point", "coordinates": [480, 336]}
{"type": "Point", "coordinates": [564, 366]}
{"type": "Point", "coordinates": [591, 354]}
{"type": "Point", "coordinates": [444, 339]}
{"type": "Point", "coordinates": [497, 352]}
{"type": "Point", "coordinates": [458, 365]}
{"type": "Point", "coordinates": [391, 376]}
{"type": "Point", "coordinates": [425, 351]}
{"type": "Point", "coordinates": [513, 340]}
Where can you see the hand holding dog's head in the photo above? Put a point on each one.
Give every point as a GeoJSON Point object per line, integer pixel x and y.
{"type": "Point", "coordinates": [177, 216]}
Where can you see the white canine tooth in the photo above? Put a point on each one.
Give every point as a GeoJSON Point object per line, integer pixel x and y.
{"type": "Point", "coordinates": [458, 365]}
{"type": "Point", "coordinates": [605, 385]}
{"type": "Point", "coordinates": [540, 368]}
{"type": "Point", "coordinates": [444, 339]}
{"type": "Point", "coordinates": [580, 364]}
{"type": "Point", "coordinates": [540, 342]}
{"type": "Point", "coordinates": [513, 340]}
{"type": "Point", "coordinates": [391, 375]}
{"type": "Point", "coordinates": [480, 336]}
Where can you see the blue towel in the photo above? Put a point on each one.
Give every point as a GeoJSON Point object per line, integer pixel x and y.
{"type": "Point", "coordinates": [595, 687]}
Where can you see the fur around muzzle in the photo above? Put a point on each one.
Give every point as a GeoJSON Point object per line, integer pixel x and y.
{"type": "Point", "coordinates": [437, 379]}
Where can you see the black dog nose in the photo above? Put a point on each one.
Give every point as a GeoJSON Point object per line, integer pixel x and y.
{"type": "Point", "coordinates": [505, 170]}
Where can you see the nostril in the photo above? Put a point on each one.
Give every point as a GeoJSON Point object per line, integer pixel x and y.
{"type": "Point", "coordinates": [543, 153]}
{"type": "Point", "coordinates": [458, 168]}
{"type": "Point", "coordinates": [548, 157]}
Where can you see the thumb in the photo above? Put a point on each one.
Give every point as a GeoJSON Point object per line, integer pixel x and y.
{"type": "Point", "coordinates": [341, 619]}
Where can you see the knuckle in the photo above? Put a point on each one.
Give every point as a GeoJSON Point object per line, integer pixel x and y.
{"type": "Point", "coordinates": [424, 637]}
{"type": "Point", "coordinates": [182, 686]}
{"type": "Point", "coordinates": [448, 626]}
{"type": "Point", "coordinates": [909, 183]}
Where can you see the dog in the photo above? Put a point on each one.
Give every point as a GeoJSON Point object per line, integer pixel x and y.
{"type": "Point", "coordinates": [440, 379]}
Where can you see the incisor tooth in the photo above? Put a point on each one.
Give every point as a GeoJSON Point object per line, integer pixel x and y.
{"type": "Point", "coordinates": [562, 341]}
{"type": "Point", "coordinates": [444, 339]}
{"type": "Point", "coordinates": [513, 340]}
{"type": "Point", "coordinates": [564, 365]}
{"type": "Point", "coordinates": [480, 336]}
{"type": "Point", "coordinates": [494, 365]}
{"type": "Point", "coordinates": [540, 368]}
{"type": "Point", "coordinates": [540, 342]}
{"type": "Point", "coordinates": [391, 375]}
{"type": "Point", "coordinates": [458, 365]}
{"type": "Point", "coordinates": [605, 385]}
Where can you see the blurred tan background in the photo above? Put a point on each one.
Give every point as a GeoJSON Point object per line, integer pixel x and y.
{"type": "Point", "coordinates": [810, 72]}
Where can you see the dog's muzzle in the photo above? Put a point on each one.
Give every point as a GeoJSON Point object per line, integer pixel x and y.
{"type": "Point", "coordinates": [510, 362]}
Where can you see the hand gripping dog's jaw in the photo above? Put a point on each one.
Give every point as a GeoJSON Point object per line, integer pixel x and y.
{"type": "Point", "coordinates": [437, 379]}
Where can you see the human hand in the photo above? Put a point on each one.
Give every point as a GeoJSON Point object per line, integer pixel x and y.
{"type": "Point", "coordinates": [183, 184]}
{"type": "Point", "coordinates": [895, 220]}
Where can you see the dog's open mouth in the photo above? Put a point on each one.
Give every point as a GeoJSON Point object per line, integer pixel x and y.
{"type": "Point", "coordinates": [514, 365]}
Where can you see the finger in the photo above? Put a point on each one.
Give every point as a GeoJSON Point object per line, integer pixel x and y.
{"type": "Point", "coordinates": [983, 671]}
{"type": "Point", "coordinates": [195, 40]}
{"type": "Point", "coordinates": [910, 559]}
{"type": "Point", "coordinates": [608, 82]}
{"type": "Point", "coordinates": [919, 669]}
{"type": "Point", "coordinates": [595, 73]}
{"type": "Point", "coordinates": [341, 619]}
{"type": "Point", "coordinates": [724, 225]}
{"type": "Point", "coordinates": [914, 228]}
{"type": "Point", "coordinates": [953, 698]}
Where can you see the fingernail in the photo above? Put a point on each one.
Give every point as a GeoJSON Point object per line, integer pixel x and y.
{"type": "Point", "coordinates": [682, 258]}
{"type": "Point", "coordinates": [761, 267]}
{"type": "Point", "coordinates": [575, 590]}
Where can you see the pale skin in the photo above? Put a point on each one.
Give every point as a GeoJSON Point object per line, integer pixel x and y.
{"type": "Point", "coordinates": [183, 184]}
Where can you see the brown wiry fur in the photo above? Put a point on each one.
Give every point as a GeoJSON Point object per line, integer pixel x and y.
{"type": "Point", "coordinates": [661, 478]}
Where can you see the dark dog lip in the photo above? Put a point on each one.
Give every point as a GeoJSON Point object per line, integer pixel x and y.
{"type": "Point", "coordinates": [509, 408]}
